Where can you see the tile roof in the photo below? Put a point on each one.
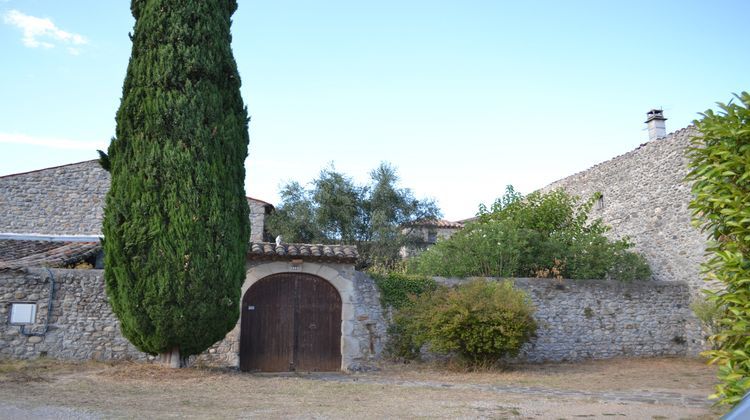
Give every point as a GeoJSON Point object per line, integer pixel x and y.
{"type": "Point", "coordinates": [308, 252]}
{"type": "Point", "coordinates": [442, 223]}
{"type": "Point", "coordinates": [20, 253]}
{"type": "Point", "coordinates": [264, 203]}
{"type": "Point", "coordinates": [16, 253]}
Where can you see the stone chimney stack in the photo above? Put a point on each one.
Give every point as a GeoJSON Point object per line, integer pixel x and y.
{"type": "Point", "coordinates": [656, 127]}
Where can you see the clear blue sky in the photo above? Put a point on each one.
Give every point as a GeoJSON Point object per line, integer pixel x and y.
{"type": "Point", "coordinates": [463, 97]}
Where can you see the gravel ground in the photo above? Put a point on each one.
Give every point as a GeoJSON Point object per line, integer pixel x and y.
{"type": "Point", "coordinates": [625, 388]}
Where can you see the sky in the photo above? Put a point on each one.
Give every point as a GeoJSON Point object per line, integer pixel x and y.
{"type": "Point", "coordinates": [462, 97]}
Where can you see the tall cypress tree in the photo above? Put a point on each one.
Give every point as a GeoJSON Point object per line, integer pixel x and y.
{"type": "Point", "coordinates": [176, 218]}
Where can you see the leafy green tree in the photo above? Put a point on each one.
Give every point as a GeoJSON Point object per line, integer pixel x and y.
{"type": "Point", "coordinates": [176, 218]}
{"type": "Point", "coordinates": [337, 206]}
{"type": "Point", "coordinates": [720, 174]}
{"type": "Point", "coordinates": [295, 219]}
{"type": "Point", "coordinates": [336, 210]}
{"type": "Point", "coordinates": [539, 235]}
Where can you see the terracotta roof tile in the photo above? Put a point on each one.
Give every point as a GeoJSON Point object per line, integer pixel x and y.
{"type": "Point", "coordinates": [310, 252]}
{"type": "Point", "coordinates": [24, 253]}
{"type": "Point", "coordinates": [442, 223]}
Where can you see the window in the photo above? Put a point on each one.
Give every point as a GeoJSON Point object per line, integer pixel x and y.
{"type": "Point", "coordinates": [22, 313]}
{"type": "Point", "coordinates": [600, 202]}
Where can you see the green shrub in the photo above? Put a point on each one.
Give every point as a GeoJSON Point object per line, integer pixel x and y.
{"type": "Point", "coordinates": [399, 291]}
{"type": "Point", "coordinates": [479, 250]}
{"type": "Point", "coordinates": [720, 172]}
{"type": "Point", "coordinates": [628, 266]}
{"type": "Point", "coordinates": [403, 341]}
{"type": "Point", "coordinates": [709, 313]}
{"type": "Point", "coordinates": [481, 322]}
{"type": "Point", "coordinates": [540, 235]}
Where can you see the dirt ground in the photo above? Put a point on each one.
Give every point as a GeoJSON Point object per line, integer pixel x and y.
{"type": "Point", "coordinates": [664, 388]}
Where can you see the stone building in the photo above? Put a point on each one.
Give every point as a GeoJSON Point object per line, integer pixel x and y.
{"type": "Point", "coordinates": [643, 196]}
{"type": "Point", "coordinates": [50, 224]}
{"type": "Point", "coordinates": [50, 228]}
{"type": "Point", "coordinates": [68, 201]}
{"type": "Point", "coordinates": [425, 233]}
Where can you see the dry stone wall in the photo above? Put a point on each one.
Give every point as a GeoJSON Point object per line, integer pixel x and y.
{"type": "Point", "coordinates": [81, 326]}
{"type": "Point", "coordinates": [600, 319]}
{"type": "Point", "coordinates": [577, 320]}
{"type": "Point", "coordinates": [66, 200]}
{"type": "Point", "coordinates": [645, 198]}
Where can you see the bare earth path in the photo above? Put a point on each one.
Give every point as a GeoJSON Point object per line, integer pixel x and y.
{"type": "Point", "coordinates": [623, 388]}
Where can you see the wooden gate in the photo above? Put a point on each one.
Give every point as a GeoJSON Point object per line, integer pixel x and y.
{"type": "Point", "coordinates": [291, 321]}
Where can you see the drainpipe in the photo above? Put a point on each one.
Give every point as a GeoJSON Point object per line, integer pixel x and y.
{"type": "Point", "coordinates": [49, 308]}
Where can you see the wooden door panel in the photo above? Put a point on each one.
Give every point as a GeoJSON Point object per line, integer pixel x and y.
{"type": "Point", "coordinates": [319, 327]}
{"type": "Point", "coordinates": [291, 321]}
{"type": "Point", "coordinates": [267, 330]}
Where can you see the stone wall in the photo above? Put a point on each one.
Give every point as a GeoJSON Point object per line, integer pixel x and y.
{"type": "Point", "coordinates": [66, 200]}
{"type": "Point", "coordinates": [81, 326]}
{"type": "Point", "coordinates": [577, 319]}
{"type": "Point", "coordinates": [370, 330]}
{"type": "Point", "coordinates": [69, 200]}
{"type": "Point", "coordinates": [257, 220]}
{"type": "Point", "coordinates": [644, 198]}
{"type": "Point", "coordinates": [599, 319]}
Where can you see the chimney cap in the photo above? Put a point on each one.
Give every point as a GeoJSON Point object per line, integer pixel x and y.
{"type": "Point", "coordinates": [655, 114]}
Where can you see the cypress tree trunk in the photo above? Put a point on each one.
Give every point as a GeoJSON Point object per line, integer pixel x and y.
{"type": "Point", "coordinates": [171, 358]}
{"type": "Point", "coordinates": [176, 218]}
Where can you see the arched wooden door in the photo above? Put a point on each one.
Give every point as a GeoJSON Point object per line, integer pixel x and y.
{"type": "Point", "coordinates": [291, 322]}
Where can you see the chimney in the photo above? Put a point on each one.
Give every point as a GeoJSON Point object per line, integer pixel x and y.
{"type": "Point", "coordinates": [656, 127]}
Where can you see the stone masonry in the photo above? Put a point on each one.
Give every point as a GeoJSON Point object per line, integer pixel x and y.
{"type": "Point", "coordinates": [600, 319]}
{"type": "Point", "coordinates": [363, 324]}
{"type": "Point", "coordinates": [644, 198]}
{"type": "Point", "coordinates": [258, 212]}
{"type": "Point", "coordinates": [577, 319]}
{"type": "Point", "coordinates": [81, 326]}
{"type": "Point", "coordinates": [65, 200]}
{"type": "Point", "coordinates": [69, 200]}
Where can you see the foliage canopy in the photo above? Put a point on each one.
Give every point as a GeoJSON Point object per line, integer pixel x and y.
{"type": "Point", "coordinates": [539, 235]}
{"type": "Point", "coordinates": [720, 172]}
{"type": "Point", "coordinates": [176, 218]}
{"type": "Point", "coordinates": [336, 210]}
